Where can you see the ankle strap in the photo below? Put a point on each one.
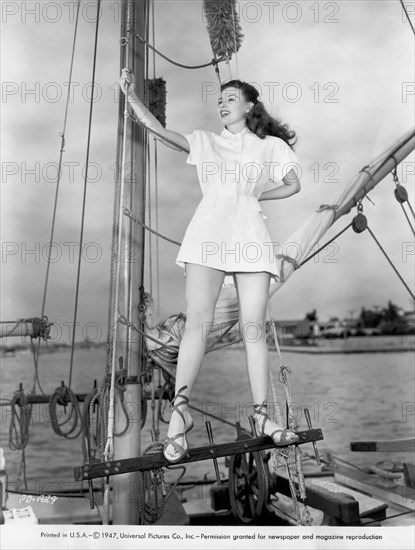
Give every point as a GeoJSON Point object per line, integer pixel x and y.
{"type": "Point", "coordinates": [258, 407]}
{"type": "Point", "coordinates": [179, 395]}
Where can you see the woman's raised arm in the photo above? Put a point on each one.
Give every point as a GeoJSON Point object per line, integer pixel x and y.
{"type": "Point", "coordinates": [145, 117]}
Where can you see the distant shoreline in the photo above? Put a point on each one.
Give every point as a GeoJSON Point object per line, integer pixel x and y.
{"type": "Point", "coordinates": [355, 344]}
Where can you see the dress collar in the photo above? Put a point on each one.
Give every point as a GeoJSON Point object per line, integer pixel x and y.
{"type": "Point", "coordinates": [226, 133]}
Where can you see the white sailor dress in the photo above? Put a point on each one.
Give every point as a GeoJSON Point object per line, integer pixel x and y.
{"type": "Point", "coordinates": [228, 230]}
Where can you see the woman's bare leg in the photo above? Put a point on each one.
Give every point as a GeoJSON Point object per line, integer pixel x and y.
{"type": "Point", "coordinates": [253, 298]}
{"type": "Point", "coordinates": [203, 286]}
{"type": "Point", "coordinates": [253, 289]}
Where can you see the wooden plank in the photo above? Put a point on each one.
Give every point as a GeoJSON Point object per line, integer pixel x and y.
{"type": "Point", "coordinates": [339, 506]}
{"type": "Point", "coordinates": [152, 461]}
{"type": "Point", "coordinates": [368, 506]}
{"type": "Point", "coordinates": [401, 494]}
{"type": "Point", "coordinates": [395, 445]}
{"type": "Point", "coordinates": [37, 399]}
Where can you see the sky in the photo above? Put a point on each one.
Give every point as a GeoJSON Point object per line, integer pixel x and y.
{"type": "Point", "coordinates": [341, 74]}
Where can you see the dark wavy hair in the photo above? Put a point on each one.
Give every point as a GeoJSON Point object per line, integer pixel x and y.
{"type": "Point", "coordinates": [258, 120]}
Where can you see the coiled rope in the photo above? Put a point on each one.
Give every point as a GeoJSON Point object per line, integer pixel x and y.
{"type": "Point", "coordinates": [66, 398]}
{"type": "Point", "coordinates": [21, 411]}
{"type": "Point", "coordinates": [151, 503]}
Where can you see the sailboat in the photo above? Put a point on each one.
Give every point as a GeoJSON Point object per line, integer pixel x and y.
{"type": "Point", "coordinates": [263, 485]}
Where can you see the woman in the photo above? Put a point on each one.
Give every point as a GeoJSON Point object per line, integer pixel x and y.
{"type": "Point", "coordinates": [228, 236]}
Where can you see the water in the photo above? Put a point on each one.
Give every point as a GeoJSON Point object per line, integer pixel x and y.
{"type": "Point", "coordinates": [351, 397]}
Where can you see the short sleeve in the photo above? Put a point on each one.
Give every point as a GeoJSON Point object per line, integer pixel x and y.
{"type": "Point", "coordinates": [195, 141]}
{"type": "Point", "coordinates": [283, 160]}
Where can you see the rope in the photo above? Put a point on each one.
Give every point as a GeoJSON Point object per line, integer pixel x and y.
{"type": "Point", "coordinates": [325, 245]}
{"type": "Point", "coordinates": [35, 356]}
{"type": "Point", "coordinates": [62, 149]}
{"type": "Point", "coordinates": [127, 213]}
{"type": "Point", "coordinates": [288, 259]}
{"type": "Point", "coordinates": [293, 458]}
{"type": "Point", "coordinates": [407, 16]}
{"type": "Point", "coordinates": [324, 207]}
{"type": "Point", "coordinates": [65, 397]}
{"type": "Point", "coordinates": [213, 62]}
{"type": "Point", "coordinates": [150, 504]}
{"type": "Point", "coordinates": [391, 263]}
{"type": "Point", "coordinates": [21, 412]}
{"type": "Point", "coordinates": [90, 435]}
{"type": "Point", "coordinates": [132, 325]}
{"type": "Point", "coordinates": [274, 392]}
{"type": "Point", "coordinates": [91, 105]}
{"type": "Point", "coordinates": [402, 196]}
{"type": "Point", "coordinates": [156, 175]}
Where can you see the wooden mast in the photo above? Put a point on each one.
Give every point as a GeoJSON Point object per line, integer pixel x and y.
{"type": "Point", "coordinates": [129, 345]}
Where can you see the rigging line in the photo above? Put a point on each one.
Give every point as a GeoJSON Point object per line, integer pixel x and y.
{"type": "Point", "coordinates": [127, 213]}
{"type": "Point", "coordinates": [124, 321]}
{"type": "Point", "coordinates": [213, 62]}
{"type": "Point", "coordinates": [35, 355]}
{"type": "Point", "coordinates": [407, 16]}
{"type": "Point", "coordinates": [148, 157]}
{"type": "Point", "coordinates": [62, 135]}
{"type": "Point", "coordinates": [407, 219]}
{"type": "Point", "coordinates": [91, 105]}
{"type": "Point", "coordinates": [211, 415]}
{"type": "Point", "coordinates": [36, 351]}
{"type": "Point", "coordinates": [150, 240]}
{"type": "Point", "coordinates": [156, 175]}
{"type": "Point", "coordinates": [411, 209]}
{"type": "Point", "coordinates": [391, 263]}
{"type": "Point", "coordinates": [156, 193]}
{"type": "Point", "coordinates": [325, 245]}
{"type": "Point", "coordinates": [398, 195]}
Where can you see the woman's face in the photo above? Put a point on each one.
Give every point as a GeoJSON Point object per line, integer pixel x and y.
{"type": "Point", "coordinates": [232, 107]}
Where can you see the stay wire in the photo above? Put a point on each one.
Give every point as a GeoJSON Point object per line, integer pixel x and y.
{"type": "Point", "coordinates": [62, 135]}
{"type": "Point", "coordinates": [391, 263]}
{"type": "Point", "coordinates": [127, 213]}
{"type": "Point", "coordinates": [407, 218]}
{"type": "Point", "coordinates": [407, 16]}
{"type": "Point", "coordinates": [156, 199]}
{"type": "Point", "coordinates": [213, 62]}
{"type": "Point", "coordinates": [326, 244]}
{"type": "Point", "coordinates": [91, 105]}
{"type": "Point", "coordinates": [36, 351]}
{"type": "Point", "coordinates": [399, 186]}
